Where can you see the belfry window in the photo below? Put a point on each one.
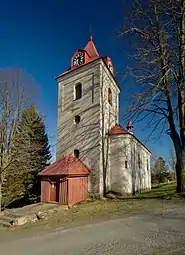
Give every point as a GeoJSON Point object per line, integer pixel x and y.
{"type": "Point", "coordinates": [110, 96]}
{"type": "Point", "coordinates": [78, 91]}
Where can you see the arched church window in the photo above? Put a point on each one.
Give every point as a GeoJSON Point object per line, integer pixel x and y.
{"type": "Point", "coordinates": [110, 96]}
{"type": "Point", "coordinates": [78, 91]}
{"type": "Point", "coordinates": [76, 153]}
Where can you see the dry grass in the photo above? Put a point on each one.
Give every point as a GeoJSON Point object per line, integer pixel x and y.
{"type": "Point", "coordinates": [160, 197]}
{"type": "Point", "coordinates": [88, 211]}
{"type": "Point", "coordinates": [162, 191]}
{"type": "Point", "coordinates": [91, 210]}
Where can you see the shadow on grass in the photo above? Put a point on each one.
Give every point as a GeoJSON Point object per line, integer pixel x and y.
{"type": "Point", "coordinates": [162, 191]}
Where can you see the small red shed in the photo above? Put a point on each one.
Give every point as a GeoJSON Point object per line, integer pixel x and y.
{"type": "Point", "coordinates": [65, 181]}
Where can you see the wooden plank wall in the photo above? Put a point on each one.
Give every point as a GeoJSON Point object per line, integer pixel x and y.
{"type": "Point", "coordinates": [77, 189]}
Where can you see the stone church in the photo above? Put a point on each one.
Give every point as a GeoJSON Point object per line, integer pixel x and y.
{"type": "Point", "coordinates": [89, 129]}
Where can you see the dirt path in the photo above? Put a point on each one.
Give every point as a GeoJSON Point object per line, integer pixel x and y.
{"type": "Point", "coordinates": [88, 214]}
{"type": "Point", "coordinates": [159, 232]}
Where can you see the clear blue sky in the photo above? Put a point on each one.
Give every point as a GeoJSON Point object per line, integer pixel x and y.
{"type": "Point", "coordinates": [41, 36]}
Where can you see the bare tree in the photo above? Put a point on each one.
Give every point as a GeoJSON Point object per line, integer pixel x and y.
{"type": "Point", "coordinates": [15, 95]}
{"type": "Point", "coordinates": [172, 160]}
{"type": "Point", "coordinates": [158, 30]}
{"type": "Point", "coordinates": [109, 117]}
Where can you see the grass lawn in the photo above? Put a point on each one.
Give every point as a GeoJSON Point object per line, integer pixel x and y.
{"type": "Point", "coordinates": [162, 191]}
{"type": "Point", "coordinates": [159, 198]}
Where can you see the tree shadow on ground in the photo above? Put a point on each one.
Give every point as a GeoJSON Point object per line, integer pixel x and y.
{"type": "Point", "coordinates": [20, 202]}
{"type": "Point", "coordinates": [164, 191]}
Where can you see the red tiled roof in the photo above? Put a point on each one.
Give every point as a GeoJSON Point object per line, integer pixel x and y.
{"type": "Point", "coordinates": [118, 130]}
{"type": "Point", "coordinates": [92, 53]}
{"type": "Point", "coordinates": [91, 49]}
{"type": "Point", "coordinates": [66, 165]}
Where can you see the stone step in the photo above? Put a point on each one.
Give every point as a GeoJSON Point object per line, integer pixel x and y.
{"type": "Point", "coordinates": [8, 219]}
{"type": "Point", "coordinates": [11, 214]}
{"type": "Point", "coordinates": [4, 223]}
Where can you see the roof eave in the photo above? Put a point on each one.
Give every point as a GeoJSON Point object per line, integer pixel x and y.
{"type": "Point", "coordinates": [98, 58]}
{"type": "Point", "coordinates": [67, 72]}
{"type": "Point", "coordinates": [64, 175]}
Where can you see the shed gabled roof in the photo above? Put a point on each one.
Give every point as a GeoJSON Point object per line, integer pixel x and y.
{"type": "Point", "coordinates": [66, 165]}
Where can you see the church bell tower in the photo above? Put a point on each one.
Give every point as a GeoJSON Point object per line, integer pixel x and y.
{"type": "Point", "coordinates": [87, 109]}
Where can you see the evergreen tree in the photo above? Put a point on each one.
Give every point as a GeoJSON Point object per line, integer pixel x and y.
{"type": "Point", "coordinates": [36, 147]}
{"type": "Point", "coordinates": [31, 152]}
{"type": "Point", "coordinates": [18, 172]}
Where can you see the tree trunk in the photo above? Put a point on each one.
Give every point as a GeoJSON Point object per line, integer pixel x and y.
{"type": "Point", "coordinates": [179, 176]}
{"type": "Point", "coordinates": [0, 196]}
{"type": "Point", "coordinates": [104, 181]}
{"type": "Point", "coordinates": [180, 156]}
{"type": "Point", "coordinates": [180, 170]}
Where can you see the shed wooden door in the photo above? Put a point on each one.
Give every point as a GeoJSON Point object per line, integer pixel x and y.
{"type": "Point", "coordinates": [54, 191]}
{"type": "Point", "coordinates": [64, 191]}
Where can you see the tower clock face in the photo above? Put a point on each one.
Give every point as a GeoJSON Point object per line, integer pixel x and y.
{"type": "Point", "coordinates": [78, 59]}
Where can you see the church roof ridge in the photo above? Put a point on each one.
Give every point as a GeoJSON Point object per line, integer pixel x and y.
{"type": "Point", "coordinates": [91, 48]}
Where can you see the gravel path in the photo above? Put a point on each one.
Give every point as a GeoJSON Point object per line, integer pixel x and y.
{"type": "Point", "coordinates": [149, 233]}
